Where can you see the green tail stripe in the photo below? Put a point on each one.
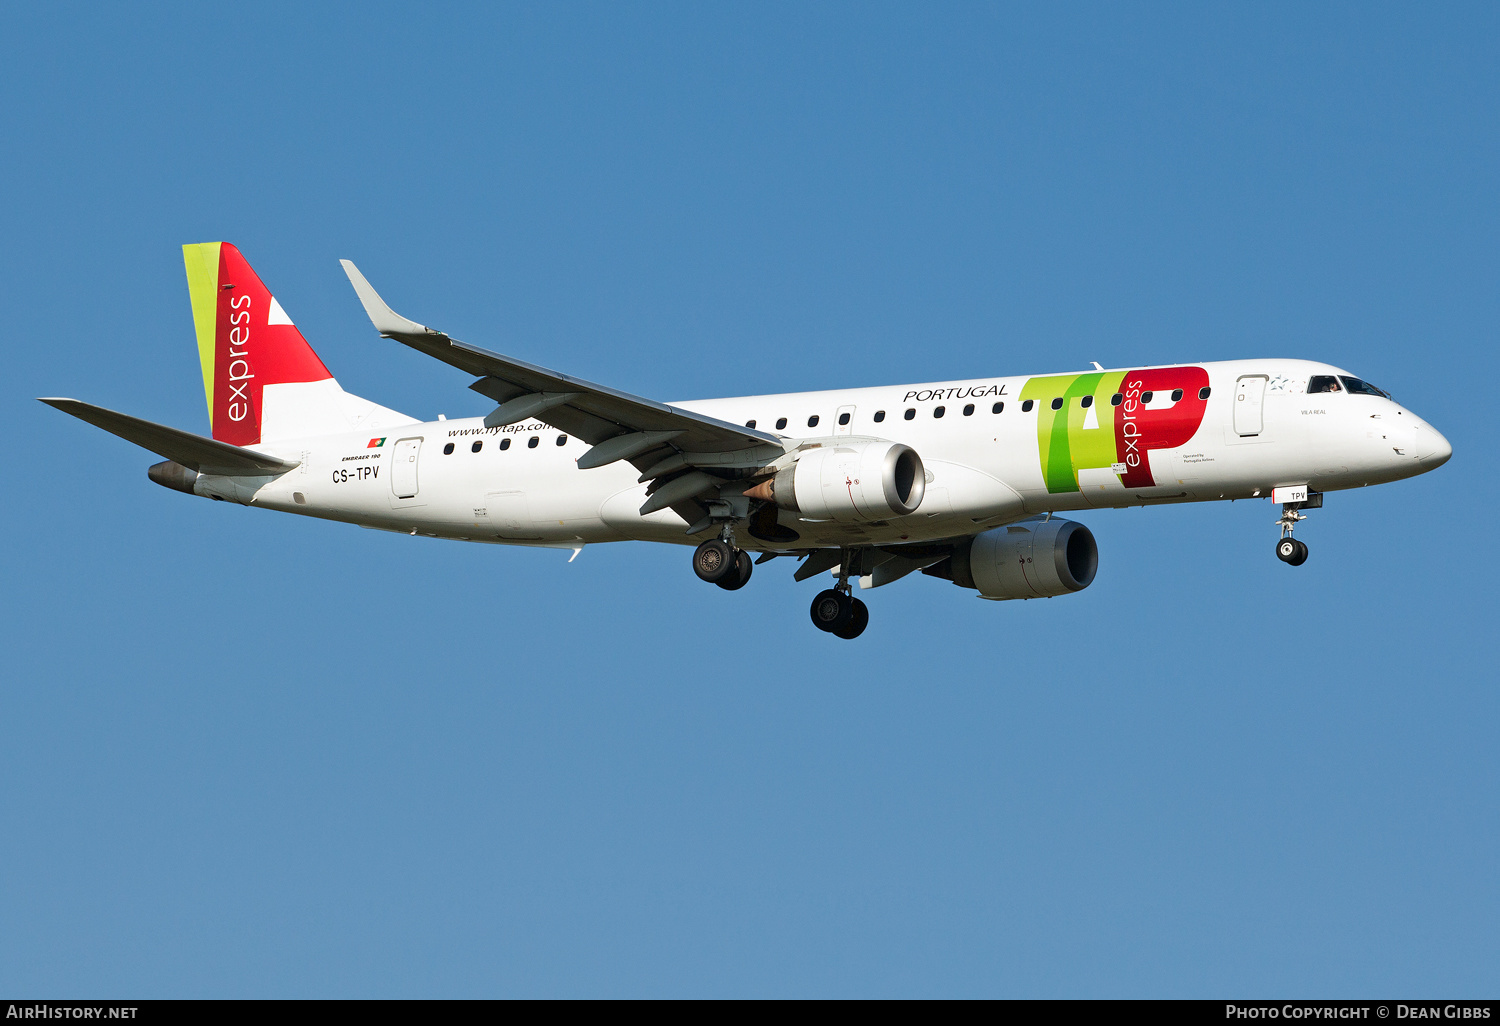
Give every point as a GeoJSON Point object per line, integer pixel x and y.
{"type": "Point", "coordinates": [202, 261]}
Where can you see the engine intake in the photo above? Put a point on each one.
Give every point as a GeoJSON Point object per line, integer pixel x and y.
{"type": "Point", "coordinates": [854, 482]}
{"type": "Point", "coordinates": [1035, 559]}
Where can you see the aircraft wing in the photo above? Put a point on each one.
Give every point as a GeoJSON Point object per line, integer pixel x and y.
{"type": "Point", "coordinates": [684, 455]}
{"type": "Point", "coordinates": [195, 452]}
{"type": "Point", "coordinates": [617, 424]}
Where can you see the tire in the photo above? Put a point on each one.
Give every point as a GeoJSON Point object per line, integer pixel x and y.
{"type": "Point", "coordinates": [832, 610]}
{"type": "Point", "coordinates": [857, 623]}
{"type": "Point", "coordinates": [1301, 556]}
{"type": "Point", "coordinates": [1287, 550]}
{"type": "Point", "coordinates": [713, 561]}
{"type": "Point", "coordinates": [741, 576]}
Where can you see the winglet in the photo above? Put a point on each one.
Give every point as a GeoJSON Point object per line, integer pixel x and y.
{"type": "Point", "coordinates": [387, 321]}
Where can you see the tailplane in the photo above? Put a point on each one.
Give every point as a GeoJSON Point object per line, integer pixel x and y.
{"type": "Point", "coordinates": [262, 380]}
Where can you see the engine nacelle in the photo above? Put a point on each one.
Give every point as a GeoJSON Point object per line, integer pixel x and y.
{"type": "Point", "coordinates": [854, 482]}
{"type": "Point", "coordinates": [1035, 559]}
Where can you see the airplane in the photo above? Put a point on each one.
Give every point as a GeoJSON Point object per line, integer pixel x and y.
{"type": "Point", "coordinates": [960, 480]}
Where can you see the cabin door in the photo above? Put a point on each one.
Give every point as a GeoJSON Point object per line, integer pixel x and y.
{"type": "Point", "coordinates": [404, 468]}
{"type": "Point", "coordinates": [1249, 398]}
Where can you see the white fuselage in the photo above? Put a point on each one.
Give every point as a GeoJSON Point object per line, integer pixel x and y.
{"type": "Point", "coordinates": [983, 468]}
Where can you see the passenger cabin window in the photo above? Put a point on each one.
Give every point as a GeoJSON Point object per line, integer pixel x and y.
{"type": "Point", "coordinates": [812, 421]}
{"type": "Point", "coordinates": [504, 444]}
{"type": "Point", "coordinates": [1323, 383]}
{"type": "Point", "coordinates": [1116, 399]}
{"type": "Point", "coordinates": [1027, 405]}
{"type": "Point", "coordinates": [910, 414]}
{"type": "Point", "coordinates": [1086, 401]}
{"type": "Point", "coordinates": [969, 410]}
{"type": "Point", "coordinates": [937, 413]}
{"type": "Point", "coordinates": [1146, 398]}
{"type": "Point", "coordinates": [997, 407]}
{"type": "Point", "coordinates": [1358, 387]}
{"type": "Point", "coordinates": [562, 439]}
{"type": "Point", "coordinates": [843, 419]}
{"type": "Point", "coordinates": [879, 416]}
{"type": "Point", "coordinates": [531, 442]}
{"type": "Point", "coordinates": [750, 423]}
{"type": "Point", "coordinates": [780, 423]}
{"type": "Point", "coordinates": [1057, 404]}
{"type": "Point", "coordinates": [476, 447]}
{"type": "Point", "coordinates": [1204, 392]}
{"type": "Point", "coordinates": [448, 449]}
{"type": "Point", "coordinates": [1177, 395]}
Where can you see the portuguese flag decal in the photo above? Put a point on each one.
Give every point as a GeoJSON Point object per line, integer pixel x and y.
{"type": "Point", "coordinates": [375, 443]}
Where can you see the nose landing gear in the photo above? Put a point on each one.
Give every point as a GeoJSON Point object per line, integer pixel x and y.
{"type": "Point", "coordinates": [1289, 550]}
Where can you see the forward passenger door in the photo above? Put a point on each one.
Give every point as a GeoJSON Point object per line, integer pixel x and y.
{"type": "Point", "coordinates": [1249, 402]}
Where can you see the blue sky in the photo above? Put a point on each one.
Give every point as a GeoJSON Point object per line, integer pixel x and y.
{"type": "Point", "coordinates": [247, 754]}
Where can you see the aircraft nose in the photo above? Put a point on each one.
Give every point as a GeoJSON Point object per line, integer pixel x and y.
{"type": "Point", "coordinates": [1438, 449]}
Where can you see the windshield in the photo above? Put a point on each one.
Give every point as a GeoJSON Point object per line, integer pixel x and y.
{"type": "Point", "coordinates": [1358, 387]}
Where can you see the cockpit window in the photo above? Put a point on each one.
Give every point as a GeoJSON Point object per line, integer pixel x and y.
{"type": "Point", "coordinates": [1323, 383]}
{"type": "Point", "coordinates": [1358, 387]}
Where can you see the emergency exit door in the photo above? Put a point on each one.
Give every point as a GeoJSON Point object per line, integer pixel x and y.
{"type": "Point", "coordinates": [843, 421]}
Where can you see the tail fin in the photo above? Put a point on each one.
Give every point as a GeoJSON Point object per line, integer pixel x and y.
{"type": "Point", "coordinates": [261, 378]}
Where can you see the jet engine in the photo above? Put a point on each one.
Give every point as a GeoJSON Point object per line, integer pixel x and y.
{"type": "Point", "coordinates": [1033, 559]}
{"type": "Point", "coordinates": [850, 483]}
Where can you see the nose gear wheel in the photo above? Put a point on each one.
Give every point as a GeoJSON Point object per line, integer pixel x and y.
{"type": "Point", "coordinates": [1291, 551]}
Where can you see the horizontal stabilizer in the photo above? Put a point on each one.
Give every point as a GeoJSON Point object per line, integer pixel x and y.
{"type": "Point", "coordinates": [193, 451]}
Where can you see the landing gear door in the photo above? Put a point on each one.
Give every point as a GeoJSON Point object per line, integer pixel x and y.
{"type": "Point", "coordinates": [1249, 399]}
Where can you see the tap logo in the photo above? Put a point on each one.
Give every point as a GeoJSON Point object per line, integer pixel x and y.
{"type": "Point", "coordinates": [1113, 419]}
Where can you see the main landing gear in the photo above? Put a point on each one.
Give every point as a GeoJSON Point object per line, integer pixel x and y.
{"type": "Point", "coordinates": [718, 561]}
{"type": "Point", "coordinates": [838, 612]}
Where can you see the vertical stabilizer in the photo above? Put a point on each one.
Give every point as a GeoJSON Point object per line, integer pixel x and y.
{"type": "Point", "coordinates": [246, 342]}
{"type": "Point", "coordinates": [262, 380]}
